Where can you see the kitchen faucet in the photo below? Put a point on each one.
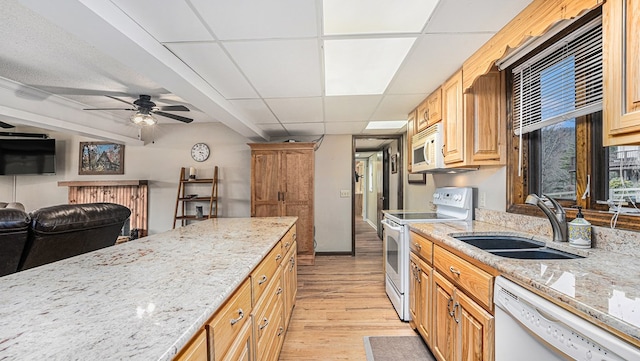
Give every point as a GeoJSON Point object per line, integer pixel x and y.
{"type": "Point", "coordinates": [558, 219]}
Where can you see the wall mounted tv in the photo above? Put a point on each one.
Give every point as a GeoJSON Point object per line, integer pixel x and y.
{"type": "Point", "coordinates": [27, 156]}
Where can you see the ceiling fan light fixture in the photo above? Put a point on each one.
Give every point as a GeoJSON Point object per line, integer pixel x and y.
{"type": "Point", "coordinates": [143, 118]}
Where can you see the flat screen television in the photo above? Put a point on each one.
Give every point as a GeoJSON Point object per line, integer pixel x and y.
{"type": "Point", "coordinates": [27, 156]}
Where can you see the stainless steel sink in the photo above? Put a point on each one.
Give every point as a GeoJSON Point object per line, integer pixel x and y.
{"type": "Point", "coordinates": [540, 253]}
{"type": "Point", "coordinates": [492, 242]}
{"type": "Point", "coordinates": [514, 247]}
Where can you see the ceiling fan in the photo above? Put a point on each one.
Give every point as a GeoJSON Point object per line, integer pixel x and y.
{"type": "Point", "coordinates": [144, 108]}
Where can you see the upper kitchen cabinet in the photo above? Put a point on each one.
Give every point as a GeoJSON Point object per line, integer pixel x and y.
{"type": "Point", "coordinates": [411, 130]}
{"type": "Point", "coordinates": [621, 39]}
{"type": "Point", "coordinates": [429, 111]}
{"type": "Point", "coordinates": [453, 120]}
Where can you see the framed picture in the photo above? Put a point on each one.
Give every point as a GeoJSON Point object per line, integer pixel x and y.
{"type": "Point", "coordinates": [417, 178]}
{"type": "Point", "coordinates": [101, 158]}
{"type": "Point", "coordinates": [394, 163]}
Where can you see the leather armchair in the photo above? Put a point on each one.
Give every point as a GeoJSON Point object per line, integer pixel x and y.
{"type": "Point", "coordinates": [14, 227]}
{"type": "Point", "coordinates": [68, 230]}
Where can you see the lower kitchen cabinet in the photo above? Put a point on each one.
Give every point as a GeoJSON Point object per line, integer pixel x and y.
{"type": "Point", "coordinates": [242, 347]}
{"type": "Point", "coordinates": [196, 349]}
{"type": "Point", "coordinates": [420, 297]}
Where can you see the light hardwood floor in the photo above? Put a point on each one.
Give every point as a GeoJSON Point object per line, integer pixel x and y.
{"type": "Point", "coordinates": [340, 300]}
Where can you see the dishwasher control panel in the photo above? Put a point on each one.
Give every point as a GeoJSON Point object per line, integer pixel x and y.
{"type": "Point", "coordinates": [558, 328]}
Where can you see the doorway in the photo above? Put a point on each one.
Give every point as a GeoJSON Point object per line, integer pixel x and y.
{"type": "Point", "coordinates": [377, 180]}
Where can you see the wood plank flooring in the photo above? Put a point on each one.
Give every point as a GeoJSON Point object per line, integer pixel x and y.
{"type": "Point", "coordinates": [340, 300]}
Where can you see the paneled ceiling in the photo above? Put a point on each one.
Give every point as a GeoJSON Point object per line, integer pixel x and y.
{"type": "Point", "coordinates": [261, 67]}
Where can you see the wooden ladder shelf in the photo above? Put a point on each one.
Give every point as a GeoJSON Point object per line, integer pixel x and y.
{"type": "Point", "coordinates": [186, 213]}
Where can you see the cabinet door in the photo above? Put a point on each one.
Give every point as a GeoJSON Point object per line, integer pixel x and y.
{"type": "Point", "coordinates": [265, 184]}
{"type": "Point", "coordinates": [434, 105]}
{"type": "Point", "coordinates": [484, 116]}
{"type": "Point", "coordinates": [444, 330]}
{"type": "Point", "coordinates": [453, 119]}
{"type": "Point", "coordinates": [422, 116]}
{"type": "Point", "coordinates": [414, 291]}
{"type": "Point", "coordinates": [476, 330]}
{"type": "Point", "coordinates": [241, 350]}
{"type": "Point", "coordinates": [290, 280]}
{"type": "Point", "coordinates": [425, 306]}
{"type": "Point", "coordinates": [621, 115]}
{"type": "Point", "coordinates": [411, 130]}
{"type": "Point", "coordinates": [196, 350]}
{"type": "Point", "coordinates": [297, 172]}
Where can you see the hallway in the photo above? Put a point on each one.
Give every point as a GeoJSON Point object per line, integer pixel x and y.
{"type": "Point", "coordinates": [340, 300]}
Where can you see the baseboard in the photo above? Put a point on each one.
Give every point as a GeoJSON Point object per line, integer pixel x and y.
{"type": "Point", "coordinates": [375, 226]}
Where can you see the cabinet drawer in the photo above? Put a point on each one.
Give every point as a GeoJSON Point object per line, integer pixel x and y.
{"type": "Point", "coordinates": [288, 239]}
{"type": "Point", "coordinates": [474, 281]}
{"type": "Point", "coordinates": [268, 316]}
{"type": "Point", "coordinates": [262, 275]}
{"type": "Point", "coordinates": [228, 322]}
{"type": "Point", "coordinates": [422, 247]}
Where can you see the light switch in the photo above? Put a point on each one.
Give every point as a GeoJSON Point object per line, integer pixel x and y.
{"type": "Point", "coordinates": [345, 193]}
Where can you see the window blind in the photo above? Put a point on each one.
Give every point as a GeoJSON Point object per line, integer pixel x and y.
{"type": "Point", "coordinates": [562, 82]}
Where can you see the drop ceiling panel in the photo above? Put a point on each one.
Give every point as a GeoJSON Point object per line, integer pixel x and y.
{"type": "Point", "coordinates": [434, 59]}
{"type": "Point", "coordinates": [273, 130]}
{"type": "Point", "coordinates": [250, 19]}
{"type": "Point", "coordinates": [297, 110]}
{"type": "Point", "coordinates": [396, 106]}
{"type": "Point", "coordinates": [166, 20]}
{"type": "Point", "coordinates": [375, 16]}
{"type": "Point", "coordinates": [305, 128]}
{"type": "Point", "coordinates": [478, 16]}
{"type": "Point", "coordinates": [215, 67]}
{"type": "Point", "coordinates": [280, 69]}
{"type": "Point", "coordinates": [350, 108]}
{"type": "Point", "coordinates": [256, 110]}
{"type": "Point", "coordinates": [345, 127]}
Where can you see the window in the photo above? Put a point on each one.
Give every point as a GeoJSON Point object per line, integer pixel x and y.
{"type": "Point", "coordinates": [555, 105]}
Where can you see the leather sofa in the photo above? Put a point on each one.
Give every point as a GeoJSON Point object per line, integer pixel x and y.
{"type": "Point", "coordinates": [54, 233]}
{"type": "Point", "coordinates": [14, 230]}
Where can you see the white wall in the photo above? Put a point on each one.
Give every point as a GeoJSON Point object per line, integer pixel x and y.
{"type": "Point", "coordinates": [333, 172]}
{"type": "Point", "coordinates": [158, 162]}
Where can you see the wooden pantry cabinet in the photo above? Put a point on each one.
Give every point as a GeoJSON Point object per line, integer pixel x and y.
{"type": "Point", "coordinates": [621, 62]}
{"type": "Point", "coordinates": [282, 184]}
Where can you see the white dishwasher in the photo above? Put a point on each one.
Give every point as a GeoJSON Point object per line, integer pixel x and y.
{"type": "Point", "coordinates": [531, 328]}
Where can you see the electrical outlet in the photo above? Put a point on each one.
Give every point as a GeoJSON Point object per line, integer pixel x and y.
{"type": "Point", "coordinates": [345, 193]}
{"type": "Point", "coordinates": [482, 199]}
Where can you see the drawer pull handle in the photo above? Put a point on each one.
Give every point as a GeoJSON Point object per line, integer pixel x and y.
{"type": "Point", "coordinates": [280, 331]}
{"type": "Point", "coordinates": [240, 317]}
{"type": "Point", "coordinates": [286, 245]}
{"type": "Point", "coordinates": [278, 257]}
{"type": "Point", "coordinates": [279, 291]}
{"type": "Point", "coordinates": [294, 236]}
{"type": "Point", "coordinates": [456, 307]}
{"type": "Point", "coordinates": [418, 246]}
{"type": "Point", "coordinates": [453, 270]}
{"type": "Point", "coordinates": [265, 324]}
{"type": "Point", "coordinates": [262, 279]}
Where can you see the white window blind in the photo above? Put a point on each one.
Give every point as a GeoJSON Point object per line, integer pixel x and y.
{"type": "Point", "coordinates": [562, 82]}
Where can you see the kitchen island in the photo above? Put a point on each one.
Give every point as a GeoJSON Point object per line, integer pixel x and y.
{"type": "Point", "coordinates": [140, 300]}
{"type": "Point", "coordinates": [601, 288]}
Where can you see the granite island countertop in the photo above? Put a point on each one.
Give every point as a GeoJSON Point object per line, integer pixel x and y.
{"type": "Point", "coordinates": [140, 300]}
{"type": "Point", "coordinates": [603, 287]}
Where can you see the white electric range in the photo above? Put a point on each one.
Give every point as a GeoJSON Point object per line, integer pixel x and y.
{"type": "Point", "coordinates": [452, 204]}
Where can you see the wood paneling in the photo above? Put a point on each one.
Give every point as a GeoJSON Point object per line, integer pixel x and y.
{"type": "Point", "coordinates": [131, 194]}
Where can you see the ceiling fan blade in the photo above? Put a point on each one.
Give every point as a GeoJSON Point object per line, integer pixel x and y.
{"type": "Point", "coordinates": [108, 109]}
{"type": "Point", "coordinates": [120, 100]}
{"type": "Point", "coordinates": [173, 116]}
{"type": "Point", "coordinates": [6, 125]}
{"type": "Point", "coordinates": [174, 108]}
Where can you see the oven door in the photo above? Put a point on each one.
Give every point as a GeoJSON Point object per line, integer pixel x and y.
{"type": "Point", "coordinates": [396, 259]}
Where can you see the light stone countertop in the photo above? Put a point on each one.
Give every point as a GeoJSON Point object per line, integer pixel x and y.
{"type": "Point", "coordinates": [603, 288]}
{"type": "Point", "coordinates": [140, 300]}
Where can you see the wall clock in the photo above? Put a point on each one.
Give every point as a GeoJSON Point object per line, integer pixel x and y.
{"type": "Point", "coordinates": [200, 152]}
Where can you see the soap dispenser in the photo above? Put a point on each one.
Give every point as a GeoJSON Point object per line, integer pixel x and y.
{"type": "Point", "coordinates": [580, 231]}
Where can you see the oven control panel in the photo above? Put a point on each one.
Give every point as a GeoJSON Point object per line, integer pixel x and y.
{"type": "Point", "coordinates": [458, 197]}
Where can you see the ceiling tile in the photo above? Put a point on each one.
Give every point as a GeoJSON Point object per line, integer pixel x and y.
{"type": "Point", "coordinates": [305, 128]}
{"type": "Point", "coordinates": [215, 67]}
{"type": "Point", "coordinates": [256, 110]}
{"type": "Point", "coordinates": [460, 16]}
{"type": "Point", "coordinates": [350, 108]}
{"type": "Point", "coordinates": [426, 68]}
{"type": "Point", "coordinates": [345, 127]}
{"type": "Point", "coordinates": [250, 19]}
{"type": "Point", "coordinates": [375, 16]}
{"type": "Point", "coordinates": [396, 106]}
{"type": "Point", "coordinates": [166, 20]}
{"type": "Point", "coordinates": [297, 110]}
{"type": "Point", "coordinates": [280, 69]}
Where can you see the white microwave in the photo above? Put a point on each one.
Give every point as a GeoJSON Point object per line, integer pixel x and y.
{"type": "Point", "coordinates": [426, 148]}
